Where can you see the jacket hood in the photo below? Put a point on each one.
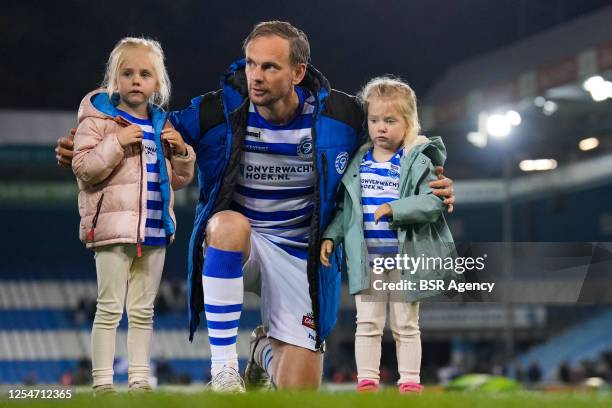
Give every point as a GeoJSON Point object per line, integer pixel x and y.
{"type": "Point", "coordinates": [97, 104]}
{"type": "Point", "coordinates": [431, 147]}
{"type": "Point", "coordinates": [235, 86]}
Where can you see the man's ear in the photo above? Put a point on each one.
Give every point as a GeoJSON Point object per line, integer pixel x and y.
{"type": "Point", "coordinates": [299, 71]}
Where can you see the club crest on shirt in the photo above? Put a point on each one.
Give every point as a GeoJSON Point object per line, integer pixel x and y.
{"type": "Point", "coordinates": [394, 171]}
{"type": "Point", "coordinates": [304, 148]}
{"type": "Point", "coordinates": [341, 162]}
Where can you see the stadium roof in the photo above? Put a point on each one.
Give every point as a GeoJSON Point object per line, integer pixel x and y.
{"type": "Point", "coordinates": [561, 55]}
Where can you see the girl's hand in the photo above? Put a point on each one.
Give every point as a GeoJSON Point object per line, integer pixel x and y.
{"type": "Point", "coordinates": [381, 211]}
{"type": "Point", "coordinates": [130, 135]}
{"type": "Point", "coordinates": [327, 246]}
{"type": "Point", "coordinates": [175, 141]}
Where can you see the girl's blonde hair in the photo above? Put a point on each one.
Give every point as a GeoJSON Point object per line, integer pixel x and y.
{"type": "Point", "coordinates": [400, 94]}
{"type": "Point", "coordinates": [160, 97]}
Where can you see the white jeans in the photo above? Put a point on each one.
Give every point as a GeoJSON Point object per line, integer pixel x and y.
{"type": "Point", "coordinates": [125, 279]}
{"type": "Point", "coordinates": [404, 319]}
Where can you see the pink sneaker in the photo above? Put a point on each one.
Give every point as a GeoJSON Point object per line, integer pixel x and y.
{"type": "Point", "coordinates": [410, 388]}
{"type": "Point", "coordinates": [367, 386]}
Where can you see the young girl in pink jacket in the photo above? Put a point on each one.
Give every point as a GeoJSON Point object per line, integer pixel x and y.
{"type": "Point", "coordinates": [128, 160]}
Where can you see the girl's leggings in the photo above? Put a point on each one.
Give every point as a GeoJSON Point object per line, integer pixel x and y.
{"type": "Point", "coordinates": [404, 319]}
{"type": "Point", "coordinates": [125, 280]}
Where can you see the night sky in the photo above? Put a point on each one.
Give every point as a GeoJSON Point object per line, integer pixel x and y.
{"type": "Point", "coordinates": [52, 53]}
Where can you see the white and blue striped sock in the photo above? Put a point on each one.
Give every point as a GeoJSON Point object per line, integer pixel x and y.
{"type": "Point", "coordinates": [263, 356]}
{"type": "Point", "coordinates": [223, 294]}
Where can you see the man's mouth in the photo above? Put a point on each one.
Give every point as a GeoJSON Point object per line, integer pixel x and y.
{"type": "Point", "coordinates": [258, 92]}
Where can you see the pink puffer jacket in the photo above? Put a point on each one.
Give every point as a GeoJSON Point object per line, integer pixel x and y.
{"type": "Point", "coordinates": [113, 179]}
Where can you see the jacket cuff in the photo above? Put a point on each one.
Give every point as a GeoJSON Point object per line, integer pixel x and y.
{"type": "Point", "coordinates": [188, 157]}
{"type": "Point", "coordinates": [332, 236]}
{"type": "Point", "coordinates": [397, 214]}
{"type": "Point", "coordinates": [329, 239]}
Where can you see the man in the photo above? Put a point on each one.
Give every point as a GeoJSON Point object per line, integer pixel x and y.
{"type": "Point", "coordinates": [271, 146]}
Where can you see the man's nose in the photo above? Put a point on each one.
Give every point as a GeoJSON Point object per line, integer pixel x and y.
{"type": "Point", "coordinates": [255, 74]}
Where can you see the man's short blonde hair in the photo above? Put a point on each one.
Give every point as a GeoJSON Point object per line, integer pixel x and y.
{"type": "Point", "coordinates": [299, 48]}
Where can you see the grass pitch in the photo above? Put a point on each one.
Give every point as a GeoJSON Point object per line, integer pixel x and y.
{"type": "Point", "coordinates": [385, 399]}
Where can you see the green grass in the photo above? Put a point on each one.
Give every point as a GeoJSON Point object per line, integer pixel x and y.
{"type": "Point", "coordinates": [387, 399]}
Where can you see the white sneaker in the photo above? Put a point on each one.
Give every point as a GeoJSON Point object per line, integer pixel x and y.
{"type": "Point", "coordinates": [227, 380]}
{"type": "Point", "coordinates": [139, 387]}
{"type": "Point", "coordinates": [104, 390]}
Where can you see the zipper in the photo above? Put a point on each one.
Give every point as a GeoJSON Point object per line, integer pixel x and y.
{"type": "Point", "coordinates": [138, 237]}
{"type": "Point", "coordinates": [94, 221]}
{"type": "Point", "coordinates": [168, 171]}
{"type": "Point", "coordinates": [314, 231]}
{"type": "Point", "coordinates": [324, 166]}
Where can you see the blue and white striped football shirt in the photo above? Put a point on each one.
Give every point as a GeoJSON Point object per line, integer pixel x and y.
{"type": "Point", "coordinates": [155, 234]}
{"type": "Point", "coordinates": [379, 185]}
{"type": "Point", "coordinates": [275, 188]}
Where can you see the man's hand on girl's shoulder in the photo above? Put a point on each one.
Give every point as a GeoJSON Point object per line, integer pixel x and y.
{"type": "Point", "coordinates": [443, 187]}
{"type": "Point", "coordinates": [64, 151]}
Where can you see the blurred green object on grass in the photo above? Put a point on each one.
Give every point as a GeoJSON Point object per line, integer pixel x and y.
{"type": "Point", "coordinates": [483, 382]}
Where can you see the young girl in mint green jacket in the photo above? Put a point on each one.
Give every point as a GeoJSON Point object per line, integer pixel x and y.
{"type": "Point", "coordinates": [387, 209]}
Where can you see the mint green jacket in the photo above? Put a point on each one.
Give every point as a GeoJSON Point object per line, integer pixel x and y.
{"type": "Point", "coordinates": [417, 216]}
